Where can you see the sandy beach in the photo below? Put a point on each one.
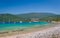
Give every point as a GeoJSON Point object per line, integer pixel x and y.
{"type": "Point", "coordinates": [29, 18]}
{"type": "Point", "coordinates": [43, 33]}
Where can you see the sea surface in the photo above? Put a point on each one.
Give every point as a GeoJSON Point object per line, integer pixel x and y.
{"type": "Point", "coordinates": [17, 26]}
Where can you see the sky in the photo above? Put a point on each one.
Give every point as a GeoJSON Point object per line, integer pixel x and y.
{"type": "Point", "coordinates": [29, 6]}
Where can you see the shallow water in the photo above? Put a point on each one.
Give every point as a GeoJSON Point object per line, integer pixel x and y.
{"type": "Point", "coordinates": [25, 25]}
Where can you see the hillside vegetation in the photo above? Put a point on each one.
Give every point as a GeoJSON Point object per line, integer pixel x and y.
{"type": "Point", "coordinates": [10, 17]}
{"type": "Point", "coordinates": [27, 17]}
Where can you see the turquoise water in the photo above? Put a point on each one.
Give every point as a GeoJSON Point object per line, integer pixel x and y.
{"type": "Point", "coordinates": [24, 25]}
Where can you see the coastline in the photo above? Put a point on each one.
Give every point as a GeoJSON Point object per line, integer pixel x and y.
{"type": "Point", "coordinates": [24, 31]}
{"type": "Point", "coordinates": [22, 34]}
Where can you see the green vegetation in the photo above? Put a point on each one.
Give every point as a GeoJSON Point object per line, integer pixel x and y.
{"type": "Point", "coordinates": [51, 18]}
{"type": "Point", "coordinates": [10, 17]}
{"type": "Point", "coordinates": [27, 17]}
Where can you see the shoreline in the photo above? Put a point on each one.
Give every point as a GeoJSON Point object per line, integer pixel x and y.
{"type": "Point", "coordinates": [24, 31]}
{"type": "Point", "coordinates": [30, 31]}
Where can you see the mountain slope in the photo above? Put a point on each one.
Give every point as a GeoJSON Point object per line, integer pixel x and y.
{"type": "Point", "coordinates": [9, 17]}
{"type": "Point", "coordinates": [35, 15]}
{"type": "Point", "coordinates": [52, 18]}
{"type": "Point", "coordinates": [28, 16]}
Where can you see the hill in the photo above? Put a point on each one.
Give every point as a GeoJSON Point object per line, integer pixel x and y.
{"type": "Point", "coordinates": [28, 16]}
{"type": "Point", "coordinates": [35, 15]}
{"type": "Point", "coordinates": [9, 17]}
{"type": "Point", "coordinates": [51, 18]}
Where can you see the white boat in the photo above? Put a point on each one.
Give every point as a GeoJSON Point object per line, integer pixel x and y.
{"type": "Point", "coordinates": [35, 21]}
{"type": "Point", "coordinates": [29, 22]}
{"type": "Point", "coordinates": [20, 21]}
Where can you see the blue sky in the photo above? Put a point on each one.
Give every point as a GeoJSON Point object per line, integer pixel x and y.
{"type": "Point", "coordinates": [28, 6]}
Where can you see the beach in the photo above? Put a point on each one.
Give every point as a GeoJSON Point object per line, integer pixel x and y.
{"type": "Point", "coordinates": [37, 33]}
{"type": "Point", "coordinates": [29, 18]}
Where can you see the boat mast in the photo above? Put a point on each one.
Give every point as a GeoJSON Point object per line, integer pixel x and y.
{"type": "Point", "coordinates": [3, 20]}
{"type": "Point", "coordinates": [9, 20]}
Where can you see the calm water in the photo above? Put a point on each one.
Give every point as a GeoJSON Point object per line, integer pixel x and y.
{"type": "Point", "coordinates": [11, 26]}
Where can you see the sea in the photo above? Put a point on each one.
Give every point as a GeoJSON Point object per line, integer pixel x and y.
{"type": "Point", "coordinates": [9, 26]}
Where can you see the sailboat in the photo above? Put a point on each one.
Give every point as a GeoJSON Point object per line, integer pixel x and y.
{"type": "Point", "coordinates": [3, 22]}
{"type": "Point", "coordinates": [9, 21]}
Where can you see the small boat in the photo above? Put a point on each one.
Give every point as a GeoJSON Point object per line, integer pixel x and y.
{"type": "Point", "coordinates": [35, 21]}
{"type": "Point", "coordinates": [20, 21]}
{"type": "Point", "coordinates": [29, 22]}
